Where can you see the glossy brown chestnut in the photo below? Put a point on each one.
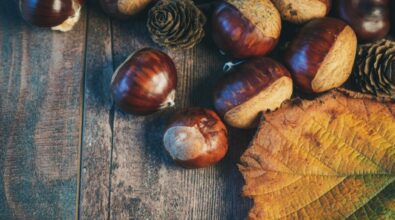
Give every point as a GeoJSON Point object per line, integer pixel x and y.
{"type": "Point", "coordinates": [196, 138]}
{"type": "Point", "coordinates": [124, 9]}
{"type": "Point", "coordinates": [370, 19]}
{"type": "Point", "coordinates": [145, 82]}
{"type": "Point", "coordinates": [60, 15]}
{"type": "Point", "coordinates": [301, 11]}
{"type": "Point", "coordinates": [258, 85]}
{"type": "Point", "coordinates": [322, 55]}
{"type": "Point", "coordinates": [246, 28]}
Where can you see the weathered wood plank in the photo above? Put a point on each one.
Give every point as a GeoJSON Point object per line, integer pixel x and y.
{"type": "Point", "coordinates": [96, 145]}
{"type": "Point", "coordinates": [40, 118]}
{"type": "Point", "coordinates": [146, 184]}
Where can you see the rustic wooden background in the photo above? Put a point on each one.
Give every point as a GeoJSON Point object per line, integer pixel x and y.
{"type": "Point", "coordinates": [66, 152]}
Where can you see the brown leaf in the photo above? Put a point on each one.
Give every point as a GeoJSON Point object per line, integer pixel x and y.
{"type": "Point", "coordinates": [330, 158]}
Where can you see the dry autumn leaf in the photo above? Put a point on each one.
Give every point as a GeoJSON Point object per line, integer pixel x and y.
{"type": "Point", "coordinates": [331, 158]}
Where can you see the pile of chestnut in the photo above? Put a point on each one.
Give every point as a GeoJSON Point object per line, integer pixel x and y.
{"type": "Point", "coordinates": [319, 58]}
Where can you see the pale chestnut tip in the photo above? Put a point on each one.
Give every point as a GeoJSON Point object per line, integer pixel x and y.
{"type": "Point", "coordinates": [185, 143]}
{"type": "Point", "coordinates": [69, 23]}
{"type": "Point", "coordinates": [228, 66]}
{"type": "Point", "coordinates": [169, 102]}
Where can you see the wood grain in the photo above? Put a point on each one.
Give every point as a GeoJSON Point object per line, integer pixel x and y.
{"type": "Point", "coordinates": [47, 95]}
{"type": "Point", "coordinates": [97, 141]}
{"type": "Point", "coordinates": [40, 120]}
{"type": "Point", "coordinates": [146, 184]}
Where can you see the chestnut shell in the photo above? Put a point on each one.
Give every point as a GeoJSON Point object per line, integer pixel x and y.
{"type": "Point", "coordinates": [245, 81]}
{"type": "Point", "coordinates": [47, 13]}
{"type": "Point", "coordinates": [370, 19]}
{"type": "Point", "coordinates": [236, 35]}
{"type": "Point", "coordinates": [210, 126]}
{"type": "Point", "coordinates": [144, 82]}
{"type": "Point", "coordinates": [310, 47]}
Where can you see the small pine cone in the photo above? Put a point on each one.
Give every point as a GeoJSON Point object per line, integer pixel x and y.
{"type": "Point", "coordinates": [374, 70]}
{"type": "Point", "coordinates": [176, 24]}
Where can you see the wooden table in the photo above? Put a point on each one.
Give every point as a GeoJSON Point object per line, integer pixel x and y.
{"type": "Point", "coordinates": [66, 152]}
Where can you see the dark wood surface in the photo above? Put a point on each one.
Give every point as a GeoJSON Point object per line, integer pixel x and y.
{"type": "Point", "coordinates": [66, 152]}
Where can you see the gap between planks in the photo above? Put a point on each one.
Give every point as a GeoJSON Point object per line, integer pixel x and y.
{"type": "Point", "coordinates": [82, 116]}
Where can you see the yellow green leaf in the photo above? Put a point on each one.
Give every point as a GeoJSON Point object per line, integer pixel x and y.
{"type": "Point", "coordinates": [330, 158]}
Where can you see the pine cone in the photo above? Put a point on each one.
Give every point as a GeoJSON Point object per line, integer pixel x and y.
{"type": "Point", "coordinates": [374, 71]}
{"type": "Point", "coordinates": [176, 23]}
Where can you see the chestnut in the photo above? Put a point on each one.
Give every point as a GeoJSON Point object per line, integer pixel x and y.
{"type": "Point", "coordinates": [123, 9]}
{"type": "Point", "coordinates": [145, 82]}
{"type": "Point", "coordinates": [255, 86]}
{"type": "Point", "coordinates": [370, 19]}
{"type": "Point", "coordinates": [59, 15]}
{"type": "Point", "coordinates": [196, 138]}
{"type": "Point", "coordinates": [246, 28]}
{"type": "Point", "coordinates": [322, 55]}
{"type": "Point", "coordinates": [302, 11]}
